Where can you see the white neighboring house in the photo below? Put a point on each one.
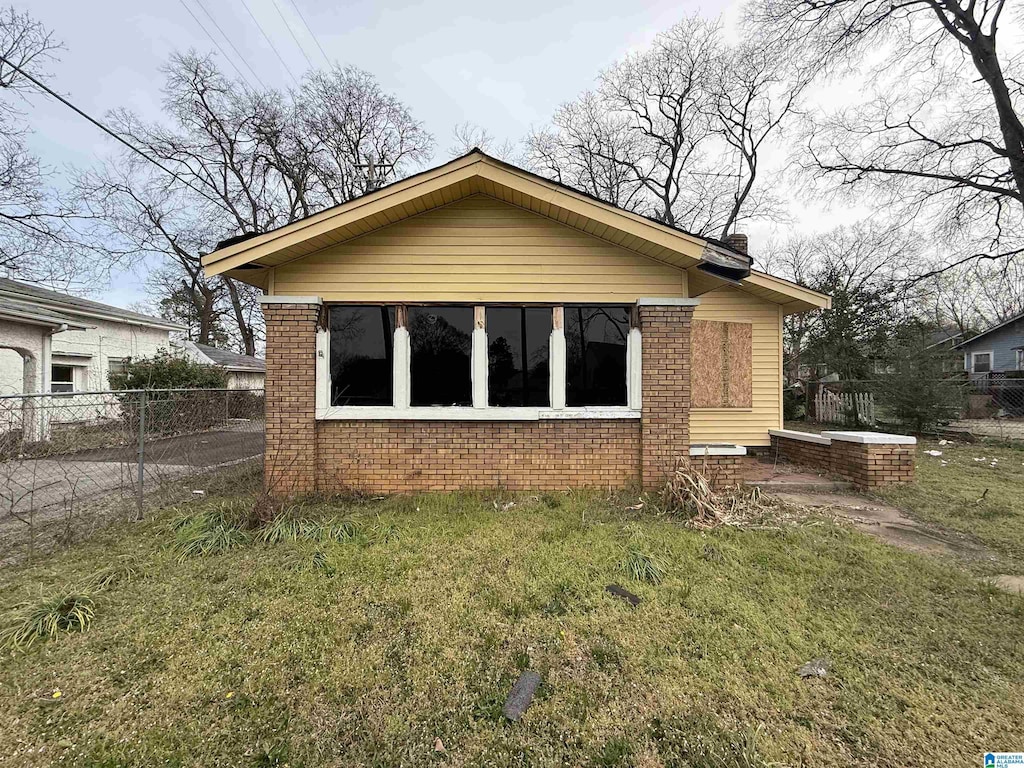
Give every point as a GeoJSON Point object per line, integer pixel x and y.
{"type": "Point", "coordinates": [54, 342]}
{"type": "Point", "coordinates": [244, 371]}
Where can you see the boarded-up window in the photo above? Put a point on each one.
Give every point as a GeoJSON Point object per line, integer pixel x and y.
{"type": "Point", "coordinates": [721, 365]}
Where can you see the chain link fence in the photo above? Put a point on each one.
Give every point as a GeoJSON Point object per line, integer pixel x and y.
{"type": "Point", "coordinates": [981, 406]}
{"type": "Point", "coordinates": [70, 462]}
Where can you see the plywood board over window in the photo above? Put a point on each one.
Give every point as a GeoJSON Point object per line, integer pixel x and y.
{"type": "Point", "coordinates": [721, 366]}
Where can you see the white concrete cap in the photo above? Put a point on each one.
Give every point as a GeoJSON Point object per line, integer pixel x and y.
{"type": "Point", "coordinates": [290, 300]}
{"type": "Point", "coordinates": [807, 437]}
{"type": "Point", "coordinates": [717, 449]}
{"type": "Point", "coordinates": [871, 438]}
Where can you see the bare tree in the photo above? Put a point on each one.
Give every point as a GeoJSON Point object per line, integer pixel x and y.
{"type": "Point", "coordinates": [940, 138]}
{"type": "Point", "coordinates": [467, 136]}
{"type": "Point", "coordinates": [675, 131]}
{"type": "Point", "coordinates": [35, 225]}
{"type": "Point", "coordinates": [244, 162]}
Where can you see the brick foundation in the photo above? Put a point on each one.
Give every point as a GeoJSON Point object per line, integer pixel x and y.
{"type": "Point", "coordinates": [721, 471]}
{"type": "Point", "coordinates": [865, 465]}
{"type": "Point", "coordinates": [665, 424]}
{"type": "Point", "coordinates": [401, 456]}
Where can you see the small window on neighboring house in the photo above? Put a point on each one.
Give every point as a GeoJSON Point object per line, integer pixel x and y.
{"type": "Point", "coordinates": [362, 355]}
{"type": "Point", "coordinates": [62, 378]}
{"type": "Point", "coordinates": [441, 342]}
{"type": "Point", "coordinates": [595, 351]}
{"type": "Point", "coordinates": [518, 343]}
{"type": "Point", "coordinates": [115, 366]}
{"type": "Point", "coordinates": [1020, 359]}
{"type": "Point", "coordinates": [981, 362]}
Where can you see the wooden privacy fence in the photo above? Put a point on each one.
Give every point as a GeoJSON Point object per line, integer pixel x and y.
{"type": "Point", "coordinates": [844, 407]}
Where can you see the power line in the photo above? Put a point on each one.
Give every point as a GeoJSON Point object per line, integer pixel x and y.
{"type": "Point", "coordinates": [269, 42]}
{"type": "Point", "coordinates": [312, 34]}
{"type": "Point", "coordinates": [233, 48]}
{"type": "Point", "coordinates": [214, 41]}
{"type": "Point", "coordinates": [292, 33]}
{"type": "Point", "coordinates": [108, 131]}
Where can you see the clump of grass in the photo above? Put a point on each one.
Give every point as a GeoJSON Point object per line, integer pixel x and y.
{"type": "Point", "coordinates": [210, 531]}
{"type": "Point", "coordinates": [124, 570]}
{"type": "Point", "coordinates": [69, 610]}
{"type": "Point", "coordinates": [287, 528]}
{"type": "Point", "coordinates": [316, 560]}
{"type": "Point", "coordinates": [640, 563]}
{"type": "Point", "coordinates": [385, 532]}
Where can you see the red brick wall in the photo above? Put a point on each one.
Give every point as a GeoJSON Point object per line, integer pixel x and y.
{"type": "Point", "coordinates": [721, 471]}
{"type": "Point", "coordinates": [665, 421]}
{"type": "Point", "coordinates": [401, 456]}
{"type": "Point", "coordinates": [868, 466]}
{"type": "Point", "coordinates": [289, 462]}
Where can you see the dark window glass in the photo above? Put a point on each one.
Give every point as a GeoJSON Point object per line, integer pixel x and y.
{"type": "Point", "coordinates": [362, 355]}
{"type": "Point", "coordinates": [518, 340]}
{"type": "Point", "coordinates": [595, 355]}
{"type": "Point", "coordinates": [62, 378]}
{"type": "Point", "coordinates": [442, 348]}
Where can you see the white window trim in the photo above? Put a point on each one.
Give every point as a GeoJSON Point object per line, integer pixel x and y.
{"type": "Point", "coordinates": [1019, 359]}
{"type": "Point", "coordinates": [991, 359]}
{"type": "Point", "coordinates": [480, 410]}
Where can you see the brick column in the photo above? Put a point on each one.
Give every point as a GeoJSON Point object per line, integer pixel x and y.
{"type": "Point", "coordinates": [665, 414]}
{"type": "Point", "coordinates": [289, 462]}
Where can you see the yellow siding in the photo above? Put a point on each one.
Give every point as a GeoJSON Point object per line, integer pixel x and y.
{"type": "Point", "coordinates": [735, 425]}
{"type": "Point", "coordinates": [478, 249]}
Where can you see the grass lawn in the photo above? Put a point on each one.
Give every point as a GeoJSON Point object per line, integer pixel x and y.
{"type": "Point", "coordinates": [413, 626]}
{"type": "Point", "coordinates": [976, 489]}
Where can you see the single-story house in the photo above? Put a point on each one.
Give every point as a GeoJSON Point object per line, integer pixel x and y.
{"type": "Point", "coordinates": [476, 325]}
{"type": "Point", "coordinates": [997, 350]}
{"type": "Point", "coordinates": [54, 342]}
{"type": "Point", "coordinates": [244, 371]}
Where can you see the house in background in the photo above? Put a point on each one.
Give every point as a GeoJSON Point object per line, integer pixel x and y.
{"type": "Point", "coordinates": [244, 371]}
{"type": "Point", "coordinates": [54, 342]}
{"type": "Point", "coordinates": [477, 325]}
{"type": "Point", "coordinates": [997, 350]}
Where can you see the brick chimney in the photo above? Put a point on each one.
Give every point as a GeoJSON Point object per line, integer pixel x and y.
{"type": "Point", "coordinates": [737, 241]}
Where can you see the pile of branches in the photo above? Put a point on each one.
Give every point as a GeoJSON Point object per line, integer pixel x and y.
{"type": "Point", "coordinates": [689, 495]}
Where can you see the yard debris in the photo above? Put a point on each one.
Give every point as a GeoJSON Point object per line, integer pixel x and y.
{"type": "Point", "coordinates": [625, 594]}
{"type": "Point", "coordinates": [521, 696]}
{"type": "Point", "coordinates": [504, 507]}
{"type": "Point", "coordinates": [199, 494]}
{"type": "Point", "coordinates": [934, 453]}
{"type": "Point", "coordinates": [944, 442]}
{"type": "Point", "coordinates": [814, 668]}
{"type": "Point", "coordinates": [983, 495]}
{"type": "Point", "coordinates": [439, 745]}
{"type": "Point", "coordinates": [638, 505]}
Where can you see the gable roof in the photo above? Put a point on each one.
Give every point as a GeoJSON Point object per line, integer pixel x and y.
{"type": "Point", "coordinates": [248, 257]}
{"type": "Point", "coordinates": [230, 360]}
{"type": "Point", "coordinates": [993, 329]}
{"type": "Point", "coordinates": [63, 304]}
{"type": "Point", "coordinates": [31, 314]}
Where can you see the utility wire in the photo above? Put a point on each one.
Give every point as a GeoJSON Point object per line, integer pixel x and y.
{"type": "Point", "coordinates": [269, 42]}
{"type": "Point", "coordinates": [214, 41]}
{"type": "Point", "coordinates": [292, 33]}
{"type": "Point", "coordinates": [312, 34]}
{"type": "Point", "coordinates": [233, 48]}
{"type": "Point", "coordinates": [108, 131]}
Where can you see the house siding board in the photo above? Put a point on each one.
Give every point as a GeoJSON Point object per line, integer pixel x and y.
{"type": "Point", "coordinates": [1002, 342]}
{"type": "Point", "coordinates": [478, 249]}
{"type": "Point", "coordinates": [745, 426]}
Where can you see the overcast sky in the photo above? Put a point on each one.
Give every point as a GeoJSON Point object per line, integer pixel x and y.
{"type": "Point", "coordinates": [503, 66]}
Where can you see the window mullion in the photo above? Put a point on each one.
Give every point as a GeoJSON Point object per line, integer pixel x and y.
{"type": "Point", "coordinates": [479, 357]}
{"type": "Point", "coordinates": [402, 356]}
{"type": "Point", "coordinates": [323, 368]}
{"type": "Point", "coordinates": [556, 359]}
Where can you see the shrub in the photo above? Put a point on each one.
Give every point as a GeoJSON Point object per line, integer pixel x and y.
{"type": "Point", "coordinates": [69, 610]}
{"type": "Point", "coordinates": [918, 393]}
{"type": "Point", "coordinates": [167, 371]}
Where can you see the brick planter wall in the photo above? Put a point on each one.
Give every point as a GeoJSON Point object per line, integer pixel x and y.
{"type": "Point", "coordinates": [402, 456]}
{"type": "Point", "coordinates": [721, 471]}
{"type": "Point", "coordinates": [867, 465]}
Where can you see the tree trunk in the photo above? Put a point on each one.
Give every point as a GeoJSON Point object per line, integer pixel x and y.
{"type": "Point", "coordinates": [245, 329]}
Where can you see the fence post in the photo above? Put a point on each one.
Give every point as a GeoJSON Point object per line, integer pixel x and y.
{"type": "Point", "coordinates": [142, 451]}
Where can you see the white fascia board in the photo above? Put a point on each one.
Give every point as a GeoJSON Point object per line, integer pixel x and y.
{"type": "Point", "coordinates": [467, 413]}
